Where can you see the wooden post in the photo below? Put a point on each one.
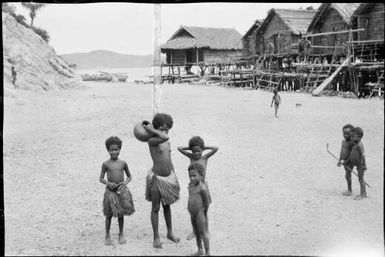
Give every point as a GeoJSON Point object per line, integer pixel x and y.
{"type": "Point", "coordinates": [157, 90]}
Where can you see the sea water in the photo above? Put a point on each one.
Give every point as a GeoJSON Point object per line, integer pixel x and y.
{"type": "Point", "coordinates": [137, 73]}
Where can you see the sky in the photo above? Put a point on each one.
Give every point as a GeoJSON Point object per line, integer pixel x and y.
{"type": "Point", "coordinates": [128, 28]}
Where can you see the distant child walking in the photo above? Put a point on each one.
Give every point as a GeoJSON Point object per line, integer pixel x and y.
{"type": "Point", "coordinates": [276, 100]}
{"type": "Point", "coordinates": [162, 185]}
{"type": "Point", "coordinates": [197, 146]}
{"type": "Point", "coordinates": [346, 148]}
{"type": "Point", "coordinates": [357, 159]}
{"type": "Point", "coordinates": [198, 206]}
{"type": "Point", "coordinates": [117, 197]}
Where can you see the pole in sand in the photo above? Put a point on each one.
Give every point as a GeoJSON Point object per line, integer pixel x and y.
{"type": "Point", "coordinates": [157, 69]}
{"type": "Point", "coordinates": [327, 149]}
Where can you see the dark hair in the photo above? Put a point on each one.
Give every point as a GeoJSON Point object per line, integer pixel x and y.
{"type": "Point", "coordinates": [196, 141]}
{"type": "Point", "coordinates": [358, 131]}
{"type": "Point", "coordinates": [161, 119]}
{"type": "Point", "coordinates": [275, 90]}
{"type": "Point", "coordinates": [348, 126]}
{"type": "Point", "coordinates": [113, 141]}
{"type": "Point", "coordinates": [196, 166]}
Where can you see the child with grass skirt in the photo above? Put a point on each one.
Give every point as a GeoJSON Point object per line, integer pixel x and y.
{"type": "Point", "coordinates": [117, 200]}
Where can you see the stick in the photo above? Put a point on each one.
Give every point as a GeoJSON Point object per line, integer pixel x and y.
{"type": "Point", "coordinates": [327, 149]}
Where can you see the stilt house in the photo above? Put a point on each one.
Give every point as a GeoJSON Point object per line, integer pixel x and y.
{"type": "Point", "coordinates": [192, 45]}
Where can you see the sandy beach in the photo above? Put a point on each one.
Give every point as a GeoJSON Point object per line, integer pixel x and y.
{"type": "Point", "coordinates": [275, 189]}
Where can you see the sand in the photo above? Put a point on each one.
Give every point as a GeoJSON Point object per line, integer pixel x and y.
{"type": "Point", "coordinates": [275, 189]}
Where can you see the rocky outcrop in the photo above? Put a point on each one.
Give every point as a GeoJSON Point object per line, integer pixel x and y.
{"type": "Point", "coordinates": [37, 65]}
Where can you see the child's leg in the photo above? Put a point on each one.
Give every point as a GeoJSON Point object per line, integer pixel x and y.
{"type": "Point", "coordinates": [348, 176]}
{"type": "Point", "coordinates": [167, 217]}
{"type": "Point", "coordinates": [276, 109]}
{"type": "Point", "coordinates": [201, 232]}
{"type": "Point", "coordinates": [121, 223]}
{"type": "Point", "coordinates": [107, 240]}
{"type": "Point", "coordinates": [195, 231]}
{"type": "Point", "coordinates": [361, 172]}
{"type": "Point", "coordinates": [155, 198]}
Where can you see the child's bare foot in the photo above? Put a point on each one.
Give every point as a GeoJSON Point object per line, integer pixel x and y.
{"type": "Point", "coordinates": [191, 236]}
{"type": "Point", "coordinates": [199, 253]}
{"type": "Point", "coordinates": [173, 238]}
{"type": "Point", "coordinates": [347, 193]}
{"type": "Point", "coordinates": [108, 241]}
{"type": "Point", "coordinates": [157, 243]}
{"type": "Point", "coordinates": [359, 197]}
{"type": "Point", "coordinates": [122, 240]}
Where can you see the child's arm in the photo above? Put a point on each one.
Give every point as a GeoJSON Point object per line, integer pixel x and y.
{"type": "Point", "coordinates": [272, 101]}
{"type": "Point", "coordinates": [127, 171]}
{"type": "Point", "coordinates": [340, 160]}
{"type": "Point", "coordinates": [110, 185]}
{"type": "Point", "coordinates": [361, 148]}
{"type": "Point", "coordinates": [213, 149]}
{"type": "Point", "coordinates": [205, 197]}
{"type": "Point", "coordinates": [160, 136]}
{"type": "Point", "coordinates": [184, 152]}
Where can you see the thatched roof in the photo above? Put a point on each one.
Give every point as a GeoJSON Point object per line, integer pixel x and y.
{"type": "Point", "coordinates": [345, 10]}
{"type": "Point", "coordinates": [364, 7]}
{"type": "Point", "coordinates": [200, 37]}
{"type": "Point", "coordinates": [254, 27]}
{"type": "Point", "coordinates": [296, 21]}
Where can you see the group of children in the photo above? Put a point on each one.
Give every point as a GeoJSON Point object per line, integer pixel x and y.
{"type": "Point", "coordinates": [162, 186]}
{"type": "Point", "coordinates": [352, 155]}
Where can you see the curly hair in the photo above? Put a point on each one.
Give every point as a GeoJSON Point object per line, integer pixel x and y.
{"type": "Point", "coordinates": [196, 141]}
{"type": "Point", "coordinates": [358, 131]}
{"type": "Point", "coordinates": [348, 126]}
{"type": "Point", "coordinates": [161, 119]}
{"type": "Point", "coordinates": [113, 140]}
{"type": "Point", "coordinates": [196, 166]}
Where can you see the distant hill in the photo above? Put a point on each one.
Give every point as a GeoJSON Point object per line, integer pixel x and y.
{"type": "Point", "coordinates": [107, 59]}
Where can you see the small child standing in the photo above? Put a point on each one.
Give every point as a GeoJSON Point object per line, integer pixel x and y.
{"type": "Point", "coordinates": [197, 146]}
{"type": "Point", "coordinates": [276, 100]}
{"type": "Point", "coordinates": [346, 148]}
{"type": "Point", "coordinates": [198, 205]}
{"type": "Point", "coordinates": [357, 159]}
{"type": "Point", "coordinates": [117, 200]}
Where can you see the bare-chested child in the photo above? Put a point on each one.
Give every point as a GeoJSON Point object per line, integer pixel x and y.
{"type": "Point", "coordinates": [277, 101]}
{"type": "Point", "coordinates": [198, 205]}
{"type": "Point", "coordinates": [346, 148]}
{"type": "Point", "coordinates": [162, 185]}
{"type": "Point", "coordinates": [357, 159]}
{"type": "Point", "coordinates": [117, 200]}
{"type": "Point", "coordinates": [196, 145]}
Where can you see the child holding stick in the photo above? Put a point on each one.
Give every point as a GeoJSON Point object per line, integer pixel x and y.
{"type": "Point", "coordinates": [346, 148]}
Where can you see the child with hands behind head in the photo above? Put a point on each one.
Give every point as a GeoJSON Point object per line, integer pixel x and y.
{"type": "Point", "coordinates": [197, 147]}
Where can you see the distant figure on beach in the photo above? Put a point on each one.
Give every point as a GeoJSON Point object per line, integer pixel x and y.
{"type": "Point", "coordinates": [346, 148]}
{"type": "Point", "coordinates": [13, 71]}
{"type": "Point", "coordinates": [117, 197]}
{"type": "Point", "coordinates": [198, 206]}
{"type": "Point", "coordinates": [162, 185]}
{"type": "Point", "coordinates": [357, 159]}
{"type": "Point", "coordinates": [196, 145]}
{"type": "Point", "coordinates": [276, 100]}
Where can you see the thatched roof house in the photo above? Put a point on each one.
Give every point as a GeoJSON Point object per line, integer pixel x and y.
{"type": "Point", "coordinates": [190, 45]}
{"type": "Point", "coordinates": [331, 17]}
{"type": "Point", "coordinates": [249, 40]}
{"type": "Point", "coordinates": [280, 29]}
{"type": "Point", "coordinates": [369, 16]}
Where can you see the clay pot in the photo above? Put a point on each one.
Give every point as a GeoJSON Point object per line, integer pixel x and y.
{"type": "Point", "coordinates": [141, 133]}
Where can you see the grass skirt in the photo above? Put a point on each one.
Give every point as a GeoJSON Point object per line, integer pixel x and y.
{"type": "Point", "coordinates": [167, 186]}
{"type": "Point", "coordinates": [118, 203]}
